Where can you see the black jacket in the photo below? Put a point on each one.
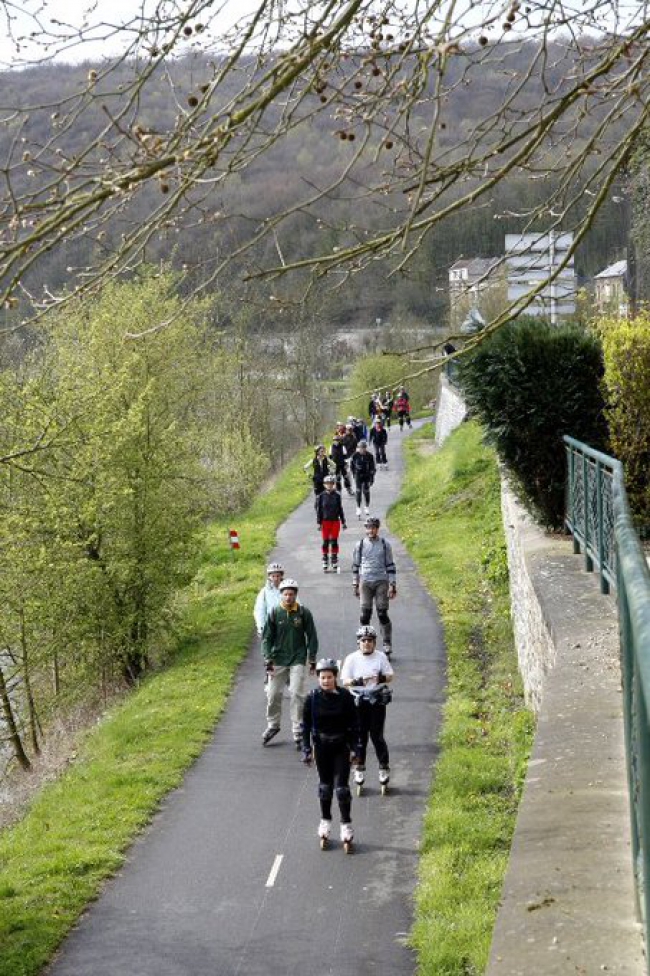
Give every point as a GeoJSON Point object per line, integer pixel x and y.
{"type": "Point", "coordinates": [337, 454]}
{"type": "Point", "coordinates": [329, 507]}
{"type": "Point", "coordinates": [330, 713]}
{"type": "Point", "coordinates": [349, 443]}
{"type": "Point", "coordinates": [378, 436]}
{"type": "Point", "coordinates": [321, 467]}
{"type": "Point", "coordinates": [363, 466]}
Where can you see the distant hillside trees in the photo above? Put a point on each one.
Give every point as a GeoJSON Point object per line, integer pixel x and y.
{"type": "Point", "coordinates": [330, 138]}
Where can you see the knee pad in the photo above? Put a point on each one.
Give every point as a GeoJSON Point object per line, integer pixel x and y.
{"type": "Point", "coordinates": [383, 616]}
{"type": "Point", "coordinates": [366, 614]}
{"type": "Point", "coordinates": [325, 791]}
{"type": "Point", "coordinates": [343, 794]}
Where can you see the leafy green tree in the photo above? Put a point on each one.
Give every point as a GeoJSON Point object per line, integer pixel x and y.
{"type": "Point", "coordinates": [114, 452]}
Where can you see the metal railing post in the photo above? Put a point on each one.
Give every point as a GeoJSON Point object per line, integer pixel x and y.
{"type": "Point", "coordinates": [589, 563]}
{"type": "Point", "coordinates": [604, 585]}
{"type": "Point", "coordinates": [572, 495]}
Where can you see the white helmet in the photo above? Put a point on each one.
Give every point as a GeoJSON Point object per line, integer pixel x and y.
{"type": "Point", "coordinates": [288, 584]}
{"type": "Point", "coordinates": [274, 568]}
{"type": "Point", "coordinates": [366, 631]}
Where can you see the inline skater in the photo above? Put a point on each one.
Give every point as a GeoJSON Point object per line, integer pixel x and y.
{"type": "Point", "coordinates": [368, 672]}
{"type": "Point", "coordinates": [379, 438]}
{"type": "Point", "coordinates": [320, 466]}
{"type": "Point", "coordinates": [339, 457]}
{"type": "Point", "coordinates": [360, 429]}
{"type": "Point", "coordinates": [269, 596]}
{"type": "Point", "coordinates": [374, 578]}
{"type": "Point", "coordinates": [349, 441]}
{"type": "Point", "coordinates": [289, 646]}
{"type": "Point", "coordinates": [330, 518]}
{"type": "Point", "coordinates": [403, 408]}
{"type": "Point", "coordinates": [362, 469]}
{"type": "Point", "coordinates": [388, 407]}
{"type": "Point", "coordinates": [330, 732]}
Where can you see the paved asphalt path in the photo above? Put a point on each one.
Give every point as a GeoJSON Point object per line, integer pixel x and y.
{"type": "Point", "coordinates": [229, 879]}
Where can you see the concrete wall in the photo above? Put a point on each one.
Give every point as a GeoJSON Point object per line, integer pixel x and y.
{"type": "Point", "coordinates": [527, 550]}
{"type": "Point", "coordinates": [568, 901]}
{"type": "Point", "coordinates": [451, 410]}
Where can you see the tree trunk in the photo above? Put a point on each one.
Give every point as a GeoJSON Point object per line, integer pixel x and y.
{"type": "Point", "coordinates": [31, 708]}
{"type": "Point", "coordinates": [14, 735]}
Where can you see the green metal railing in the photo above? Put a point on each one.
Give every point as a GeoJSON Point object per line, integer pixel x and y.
{"type": "Point", "coordinates": [634, 625]}
{"type": "Point", "coordinates": [619, 550]}
{"type": "Point", "coordinates": [589, 508]}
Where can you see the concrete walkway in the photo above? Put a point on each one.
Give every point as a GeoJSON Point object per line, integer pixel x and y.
{"type": "Point", "coordinates": [229, 879]}
{"type": "Point", "coordinates": [568, 901]}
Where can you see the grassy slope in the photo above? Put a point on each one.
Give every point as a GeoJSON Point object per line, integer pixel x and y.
{"type": "Point", "coordinates": [449, 518]}
{"type": "Point", "coordinates": [54, 861]}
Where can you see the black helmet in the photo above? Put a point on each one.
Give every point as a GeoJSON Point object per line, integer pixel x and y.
{"type": "Point", "coordinates": [372, 522]}
{"type": "Point", "coordinates": [327, 664]}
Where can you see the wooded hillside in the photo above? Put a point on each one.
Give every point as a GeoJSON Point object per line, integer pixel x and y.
{"type": "Point", "coordinates": [288, 172]}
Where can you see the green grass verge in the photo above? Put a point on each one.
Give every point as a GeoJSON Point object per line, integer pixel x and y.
{"type": "Point", "coordinates": [76, 832]}
{"type": "Point", "coordinates": [449, 518]}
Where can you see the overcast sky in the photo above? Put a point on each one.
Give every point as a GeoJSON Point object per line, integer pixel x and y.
{"type": "Point", "coordinates": [26, 23]}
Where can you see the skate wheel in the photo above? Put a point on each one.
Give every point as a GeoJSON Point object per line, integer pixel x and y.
{"type": "Point", "coordinates": [323, 843]}
{"type": "Point", "coordinates": [359, 789]}
{"type": "Point", "coordinates": [384, 789]}
{"type": "Point", "coordinates": [347, 846]}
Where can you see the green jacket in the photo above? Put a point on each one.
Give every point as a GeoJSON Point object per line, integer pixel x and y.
{"type": "Point", "coordinates": [289, 638]}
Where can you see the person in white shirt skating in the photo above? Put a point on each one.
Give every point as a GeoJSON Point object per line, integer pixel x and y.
{"type": "Point", "coordinates": [367, 673]}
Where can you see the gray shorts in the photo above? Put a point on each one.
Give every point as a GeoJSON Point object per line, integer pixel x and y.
{"type": "Point", "coordinates": [377, 591]}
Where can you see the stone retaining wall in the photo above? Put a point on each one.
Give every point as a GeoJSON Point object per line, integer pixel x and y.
{"type": "Point", "coordinates": [535, 647]}
{"type": "Point", "coordinates": [451, 412]}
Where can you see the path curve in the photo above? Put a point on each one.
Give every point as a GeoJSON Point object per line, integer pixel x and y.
{"type": "Point", "coordinates": [229, 878]}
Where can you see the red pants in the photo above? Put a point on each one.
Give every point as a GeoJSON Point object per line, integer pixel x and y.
{"type": "Point", "coordinates": [330, 533]}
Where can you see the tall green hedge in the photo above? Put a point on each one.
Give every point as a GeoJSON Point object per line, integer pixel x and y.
{"type": "Point", "coordinates": [530, 383]}
{"type": "Point", "coordinates": [627, 382]}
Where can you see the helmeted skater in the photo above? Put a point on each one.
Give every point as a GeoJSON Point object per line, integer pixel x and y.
{"type": "Point", "coordinates": [378, 437]}
{"type": "Point", "coordinates": [290, 647]}
{"type": "Point", "coordinates": [269, 596]}
{"type": "Point", "coordinates": [369, 671]}
{"type": "Point", "coordinates": [374, 578]}
{"type": "Point", "coordinates": [362, 469]}
{"type": "Point", "coordinates": [330, 730]}
{"type": "Point", "coordinates": [330, 519]}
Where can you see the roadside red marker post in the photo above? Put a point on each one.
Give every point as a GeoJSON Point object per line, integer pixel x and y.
{"type": "Point", "coordinates": [233, 538]}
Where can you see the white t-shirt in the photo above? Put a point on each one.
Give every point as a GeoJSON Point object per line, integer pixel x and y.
{"type": "Point", "coordinates": [366, 666]}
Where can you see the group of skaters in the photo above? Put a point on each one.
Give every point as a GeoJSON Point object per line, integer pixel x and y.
{"type": "Point", "coordinates": [332, 723]}
{"type": "Point", "coordinates": [381, 407]}
{"type": "Point", "coordinates": [349, 459]}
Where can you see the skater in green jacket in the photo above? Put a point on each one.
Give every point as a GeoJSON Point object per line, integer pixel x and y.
{"type": "Point", "coordinates": [290, 647]}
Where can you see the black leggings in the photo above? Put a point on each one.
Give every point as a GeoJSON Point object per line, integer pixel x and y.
{"type": "Point", "coordinates": [362, 485]}
{"type": "Point", "coordinates": [372, 718]}
{"type": "Point", "coordinates": [332, 755]}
